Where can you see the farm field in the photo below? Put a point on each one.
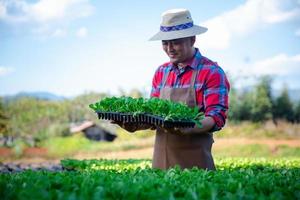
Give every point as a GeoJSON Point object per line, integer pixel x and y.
{"type": "Point", "coordinates": [143, 147]}
{"type": "Point", "coordinates": [223, 147]}
{"type": "Point", "coordinates": [236, 178]}
{"type": "Point", "coordinates": [75, 168]}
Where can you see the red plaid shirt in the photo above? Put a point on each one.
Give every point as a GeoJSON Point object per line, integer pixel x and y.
{"type": "Point", "coordinates": [211, 85]}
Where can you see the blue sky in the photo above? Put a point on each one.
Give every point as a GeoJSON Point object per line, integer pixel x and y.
{"type": "Point", "coordinates": [69, 47]}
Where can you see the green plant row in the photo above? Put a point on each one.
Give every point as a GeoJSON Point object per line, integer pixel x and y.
{"type": "Point", "coordinates": [238, 178]}
{"type": "Point", "coordinates": [164, 108]}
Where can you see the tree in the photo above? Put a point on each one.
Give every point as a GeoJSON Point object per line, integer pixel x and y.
{"type": "Point", "coordinates": [78, 108]}
{"type": "Point", "coordinates": [255, 104]}
{"type": "Point", "coordinates": [244, 106]}
{"type": "Point", "coordinates": [261, 108]}
{"type": "Point", "coordinates": [233, 112]}
{"type": "Point", "coordinates": [283, 107]}
{"type": "Point", "coordinates": [297, 113]}
{"type": "Point", "coordinates": [39, 119]}
{"type": "Point", "coordinates": [4, 120]}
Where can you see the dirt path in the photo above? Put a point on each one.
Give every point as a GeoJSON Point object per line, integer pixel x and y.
{"type": "Point", "coordinates": [222, 142]}
{"type": "Point", "coordinates": [134, 154]}
{"type": "Point", "coordinates": [146, 151]}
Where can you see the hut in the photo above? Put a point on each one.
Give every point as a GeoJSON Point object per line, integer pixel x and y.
{"type": "Point", "coordinates": [93, 132]}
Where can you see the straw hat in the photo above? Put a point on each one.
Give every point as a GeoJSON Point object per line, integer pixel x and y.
{"type": "Point", "coordinates": [177, 23]}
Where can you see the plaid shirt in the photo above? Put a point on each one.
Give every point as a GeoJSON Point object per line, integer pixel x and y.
{"type": "Point", "coordinates": [211, 85]}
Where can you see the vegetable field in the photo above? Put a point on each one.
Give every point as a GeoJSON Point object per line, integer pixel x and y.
{"type": "Point", "coordinates": [236, 178]}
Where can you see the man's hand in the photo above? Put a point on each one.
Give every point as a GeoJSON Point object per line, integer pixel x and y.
{"type": "Point", "coordinates": [175, 130]}
{"type": "Point", "coordinates": [132, 127]}
{"type": "Point", "coordinates": [207, 124]}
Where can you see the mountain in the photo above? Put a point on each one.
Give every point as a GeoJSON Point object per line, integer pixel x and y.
{"type": "Point", "coordinates": [38, 95]}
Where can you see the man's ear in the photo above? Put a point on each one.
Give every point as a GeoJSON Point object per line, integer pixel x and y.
{"type": "Point", "coordinates": [193, 40]}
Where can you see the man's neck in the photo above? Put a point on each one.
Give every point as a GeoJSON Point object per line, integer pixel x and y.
{"type": "Point", "coordinates": [188, 60]}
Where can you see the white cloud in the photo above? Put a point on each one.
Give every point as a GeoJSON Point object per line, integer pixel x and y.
{"type": "Point", "coordinates": [82, 32]}
{"type": "Point", "coordinates": [2, 10]}
{"type": "Point", "coordinates": [59, 33]}
{"type": "Point", "coordinates": [47, 31]}
{"type": "Point", "coordinates": [246, 19]}
{"type": "Point", "coordinates": [46, 10]}
{"type": "Point", "coordinates": [282, 68]}
{"type": "Point", "coordinates": [5, 70]}
{"type": "Point", "coordinates": [47, 18]}
{"type": "Point", "coordinates": [297, 33]}
{"type": "Point", "coordinates": [15, 11]}
{"type": "Point", "coordinates": [275, 11]}
{"type": "Point", "coordinates": [279, 65]}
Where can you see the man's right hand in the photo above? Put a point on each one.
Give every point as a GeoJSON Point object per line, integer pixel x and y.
{"type": "Point", "coordinates": [132, 127]}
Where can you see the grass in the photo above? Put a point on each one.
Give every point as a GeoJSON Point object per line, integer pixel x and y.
{"type": "Point", "coordinates": [256, 150]}
{"type": "Point", "coordinates": [283, 130]}
{"type": "Point", "coordinates": [60, 147]}
{"type": "Point", "coordinates": [67, 146]}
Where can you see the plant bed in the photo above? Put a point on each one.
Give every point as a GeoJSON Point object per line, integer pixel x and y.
{"type": "Point", "coordinates": [145, 118]}
{"type": "Point", "coordinates": [154, 111]}
{"type": "Point", "coordinates": [236, 178]}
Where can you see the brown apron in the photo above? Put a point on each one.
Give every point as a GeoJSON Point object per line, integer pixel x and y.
{"type": "Point", "coordinates": [187, 151]}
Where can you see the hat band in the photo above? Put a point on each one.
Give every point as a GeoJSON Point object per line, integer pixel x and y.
{"type": "Point", "coordinates": [177, 27]}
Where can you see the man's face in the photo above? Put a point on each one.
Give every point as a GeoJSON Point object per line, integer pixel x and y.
{"type": "Point", "coordinates": [179, 50]}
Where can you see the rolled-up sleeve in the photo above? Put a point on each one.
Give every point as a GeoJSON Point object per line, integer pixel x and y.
{"type": "Point", "coordinates": [216, 96]}
{"type": "Point", "coordinates": [155, 91]}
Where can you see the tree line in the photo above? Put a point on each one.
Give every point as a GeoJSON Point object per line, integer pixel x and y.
{"type": "Point", "coordinates": [41, 119]}
{"type": "Point", "coordinates": [259, 104]}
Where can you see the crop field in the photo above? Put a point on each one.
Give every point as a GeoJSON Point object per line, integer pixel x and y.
{"type": "Point", "coordinates": [235, 178]}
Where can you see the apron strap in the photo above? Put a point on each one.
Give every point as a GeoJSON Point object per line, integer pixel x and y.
{"type": "Point", "coordinates": [164, 79]}
{"type": "Point", "coordinates": [193, 79]}
{"type": "Point", "coordinates": [192, 85]}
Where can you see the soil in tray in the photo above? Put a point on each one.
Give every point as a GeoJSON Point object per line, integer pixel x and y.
{"type": "Point", "coordinates": [144, 118]}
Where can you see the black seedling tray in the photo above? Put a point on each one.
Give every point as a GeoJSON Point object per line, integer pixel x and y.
{"type": "Point", "coordinates": [145, 118]}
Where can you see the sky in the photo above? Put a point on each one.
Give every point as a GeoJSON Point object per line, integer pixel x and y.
{"type": "Point", "coordinates": [70, 47]}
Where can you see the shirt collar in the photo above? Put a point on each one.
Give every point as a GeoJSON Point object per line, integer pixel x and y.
{"type": "Point", "coordinates": [192, 63]}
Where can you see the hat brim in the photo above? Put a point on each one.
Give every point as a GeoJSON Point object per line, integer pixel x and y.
{"type": "Point", "coordinates": [171, 35]}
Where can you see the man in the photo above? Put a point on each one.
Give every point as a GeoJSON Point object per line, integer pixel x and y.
{"type": "Point", "coordinates": [195, 80]}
